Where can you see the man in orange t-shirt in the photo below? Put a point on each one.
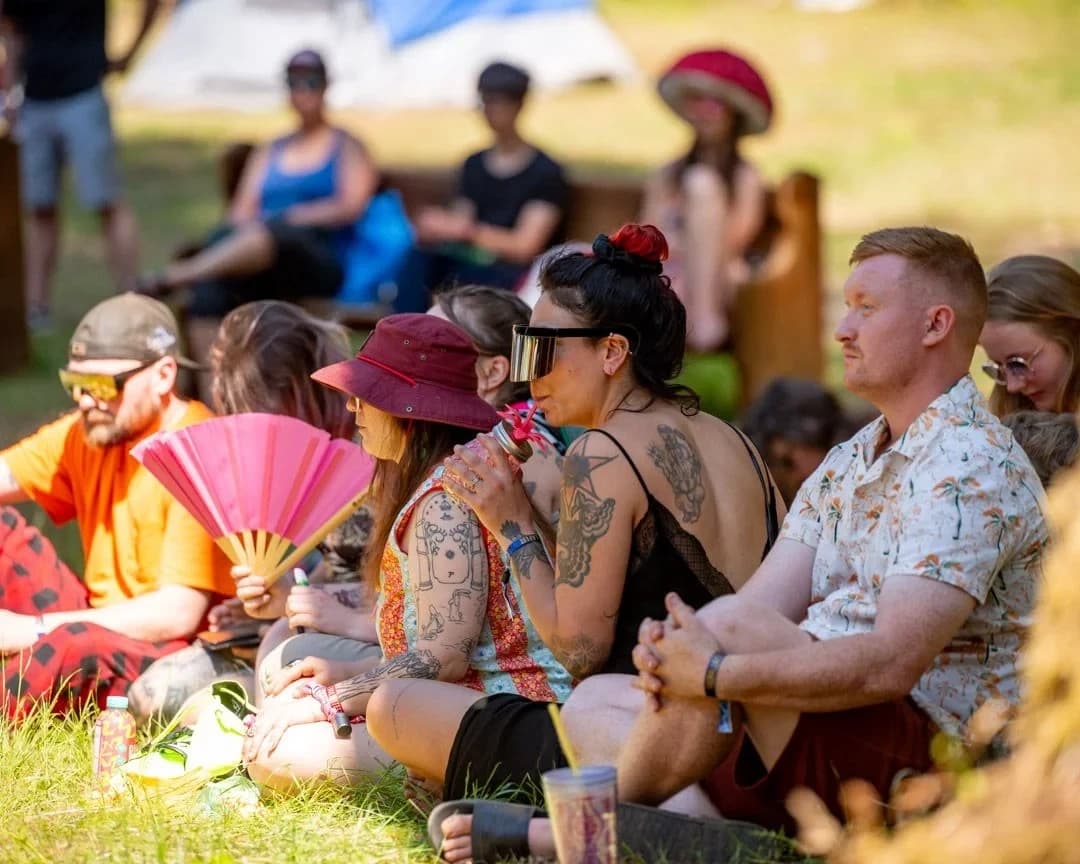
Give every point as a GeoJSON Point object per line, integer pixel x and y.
{"type": "Point", "coordinates": [152, 572]}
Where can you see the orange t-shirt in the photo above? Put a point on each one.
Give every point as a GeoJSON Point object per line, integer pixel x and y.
{"type": "Point", "coordinates": [136, 537]}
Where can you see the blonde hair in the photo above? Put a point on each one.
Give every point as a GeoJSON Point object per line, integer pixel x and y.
{"type": "Point", "coordinates": [1045, 293]}
{"type": "Point", "coordinates": [948, 259]}
{"type": "Point", "coordinates": [262, 359]}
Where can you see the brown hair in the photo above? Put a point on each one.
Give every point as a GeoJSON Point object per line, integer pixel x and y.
{"type": "Point", "coordinates": [1051, 441]}
{"type": "Point", "coordinates": [261, 360]}
{"type": "Point", "coordinates": [488, 316]}
{"type": "Point", "coordinates": [1043, 292]}
{"type": "Point", "coordinates": [948, 259]}
{"type": "Point", "coordinates": [426, 445]}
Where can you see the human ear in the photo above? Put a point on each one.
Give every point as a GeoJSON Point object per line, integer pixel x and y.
{"type": "Point", "coordinates": [616, 353]}
{"type": "Point", "coordinates": [939, 322]}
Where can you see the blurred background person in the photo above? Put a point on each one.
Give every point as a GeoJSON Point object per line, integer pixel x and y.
{"type": "Point", "coordinates": [55, 52]}
{"type": "Point", "coordinates": [1032, 335]}
{"type": "Point", "coordinates": [510, 204]}
{"type": "Point", "coordinates": [710, 203]}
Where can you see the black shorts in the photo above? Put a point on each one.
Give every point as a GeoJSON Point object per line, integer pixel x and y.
{"type": "Point", "coordinates": [503, 745]}
{"type": "Point", "coordinates": [306, 264]}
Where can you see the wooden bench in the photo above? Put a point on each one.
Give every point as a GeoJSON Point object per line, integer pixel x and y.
{"type": "Point", "coordinates": [778, 318]}
{"type": "Point", "coordinates": [14, 338]}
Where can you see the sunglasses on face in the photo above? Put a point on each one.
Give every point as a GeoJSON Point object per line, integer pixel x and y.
{"type": "Point", "coordinates": [97, 385]}
{"type": "Point", "coordinates": [532, 354]}
{"type": "Point", "coordinates": [1017, 367]}
{"type": "Point", "coordinates": [310, 83]}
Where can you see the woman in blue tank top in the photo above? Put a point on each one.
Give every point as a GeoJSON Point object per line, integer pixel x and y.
{"type": "Point", "coordinates": [290, 221]}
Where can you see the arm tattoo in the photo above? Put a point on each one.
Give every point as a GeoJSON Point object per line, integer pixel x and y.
{"type": "Point", "coordinates": [585, 516]}
{"type": "Point", "coordinates": [417, 663]}
{"type": "Point", "coordinates": [351, 598]}
{"type": "Point", "coordinates": [680, 463]}
{"type": "Point", "coordinates": [580, 655]}
{"type": "Point", "coordinates": [524, 555]}
{"type": "Point", "coordinates": [449, 535]}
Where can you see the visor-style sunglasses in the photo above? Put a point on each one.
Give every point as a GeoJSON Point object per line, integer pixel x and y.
{"type": "Point", "coordinates": [103, 388]}
{"type": "Point", "coordinates": [532, 354]}
{"type": "Point", "coordinates": [310, 81]}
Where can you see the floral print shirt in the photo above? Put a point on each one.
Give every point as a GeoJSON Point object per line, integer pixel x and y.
{"type": "Point", "coordinates": [954, 498]}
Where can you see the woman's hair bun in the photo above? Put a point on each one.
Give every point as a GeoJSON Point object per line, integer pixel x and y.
{"type": "Point", "coordinates": [641, 246]}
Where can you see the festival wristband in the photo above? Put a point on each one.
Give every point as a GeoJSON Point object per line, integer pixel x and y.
{"type": "Point", "coordinates": [331, 708]}
{"type": "Point", "coordinates": [725, 724]}
{"type": "Point", "coordinates": [521, 541]}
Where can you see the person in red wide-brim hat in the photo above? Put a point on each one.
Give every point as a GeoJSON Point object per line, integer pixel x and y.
{"type": "Point", "coordinates": [711, 202]}
{"type": "Point", "coordinates": [447, 606]}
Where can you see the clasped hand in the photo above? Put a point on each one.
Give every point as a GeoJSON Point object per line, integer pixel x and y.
{"type": "Point", "coordinates": [671, 655]}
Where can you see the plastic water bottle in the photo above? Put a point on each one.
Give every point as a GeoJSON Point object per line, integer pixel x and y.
{"type": "Point", "coordinates": [114, 738]}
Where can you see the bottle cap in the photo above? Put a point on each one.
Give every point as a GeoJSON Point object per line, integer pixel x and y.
{"type": "Point", "coordinates": [120, 702]}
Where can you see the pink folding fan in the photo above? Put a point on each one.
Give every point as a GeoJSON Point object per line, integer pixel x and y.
{"type": "Point", "coordinates": [266, 487]}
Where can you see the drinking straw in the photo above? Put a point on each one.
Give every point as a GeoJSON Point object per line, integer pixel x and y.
{"type": "Point", "coordinates": [564, 739]}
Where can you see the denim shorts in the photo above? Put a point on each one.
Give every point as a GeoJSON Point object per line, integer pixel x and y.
{"type": "Point", "coordinates": [78, 130]}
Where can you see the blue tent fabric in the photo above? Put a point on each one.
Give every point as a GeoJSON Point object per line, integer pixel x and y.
{"type": "Point", "coordinates": [408, 20]}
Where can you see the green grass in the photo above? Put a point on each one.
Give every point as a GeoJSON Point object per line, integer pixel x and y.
{"type": "Point", "coordinates": [51, 815]}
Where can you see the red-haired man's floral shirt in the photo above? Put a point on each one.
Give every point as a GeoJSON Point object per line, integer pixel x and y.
{"type": "Point", "coordinates": [954, 498]}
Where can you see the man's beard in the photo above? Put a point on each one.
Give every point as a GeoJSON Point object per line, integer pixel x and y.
{"type": "Point", "coordinates": [103, 429]}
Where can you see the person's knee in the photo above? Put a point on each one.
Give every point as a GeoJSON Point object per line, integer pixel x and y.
{"type": "Point", "coordinates": [702, 182]}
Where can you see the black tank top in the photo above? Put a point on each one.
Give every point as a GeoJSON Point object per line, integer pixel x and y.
{"type": "Point", "coordinates": [665, 557]}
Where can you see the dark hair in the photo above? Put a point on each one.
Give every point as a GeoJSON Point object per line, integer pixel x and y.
{"type": "Point", "coordinates": [308, 59]}
{"type": "Point", "coordinates": [724, 162]}
{"type": "Point", "coordinates": [488, 316]}
{"type": "Point", "coordinates": [261, 360]}
{"type": "Point", "coordinates": [622, 282]}
{"type": "Point", "coordinates": [797, 410]}
{"type": "Point", "coordinates": [426, 445]}
{"type": "Point", "coordinates": [504, 80]}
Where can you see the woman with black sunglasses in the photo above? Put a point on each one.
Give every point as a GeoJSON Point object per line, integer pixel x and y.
{"type": "Point", "coordinates": [1032, 335]}
{"type": "Point", "coordinates": [291, 220]}
{"type": "Point", "coordinates": [656, 497]}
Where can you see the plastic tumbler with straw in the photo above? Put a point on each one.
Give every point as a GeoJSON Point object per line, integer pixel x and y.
{"type": "Point", "coordinates": [581, 802]}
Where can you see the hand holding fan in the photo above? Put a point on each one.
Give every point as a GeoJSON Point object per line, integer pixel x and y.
{"type": "Point", "coordinates": [268, 488]}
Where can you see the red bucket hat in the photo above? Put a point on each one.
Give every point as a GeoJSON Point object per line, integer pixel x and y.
{"type": "Point", "coordinates": [725, 76]}
{"type": "Point", "coordinates": [416, 367]}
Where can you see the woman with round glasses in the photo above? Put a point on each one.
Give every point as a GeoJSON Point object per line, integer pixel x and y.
{"type": "Point", "coordinates": [656, 497]}
{"type": "Point", "coordinates": [1032, 335]}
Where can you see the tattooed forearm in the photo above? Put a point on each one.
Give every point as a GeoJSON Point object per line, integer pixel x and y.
{"type": "Point", "coordinates": [680, 463]}
{"type": "Point", "coordinates": [352, 598]}
{"type": "Point", "coordinates": [523, 556]}
{"type": "Point", "coordinates": [580, 655]}
{"type": "Point", "coordinates": [412, 664]}
{"type": "Point", "coordinates": [585, 517]}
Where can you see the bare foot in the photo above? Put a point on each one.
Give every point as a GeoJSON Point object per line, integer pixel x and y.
{"type": "Point", "coordinates": [457, 838]}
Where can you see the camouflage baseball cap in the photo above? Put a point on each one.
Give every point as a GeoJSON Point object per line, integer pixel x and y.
{"type": "Point", "coordinates": [128, 327]}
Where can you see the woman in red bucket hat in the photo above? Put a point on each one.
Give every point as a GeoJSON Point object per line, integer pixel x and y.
{"type": "Point", "coordinates": [711, 202]}
{"type": "Point", "coordinates": [448, 608]}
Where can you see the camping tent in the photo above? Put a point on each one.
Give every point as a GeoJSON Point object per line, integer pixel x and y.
{"type": "Point", "coordinates": [229, 54]}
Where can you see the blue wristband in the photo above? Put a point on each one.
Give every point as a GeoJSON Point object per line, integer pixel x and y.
{"type": "Point", "coordinates": [520, 541]}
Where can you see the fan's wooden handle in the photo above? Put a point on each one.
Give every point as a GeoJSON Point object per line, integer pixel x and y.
{"type": "Point", "coordinates": [315, 539]}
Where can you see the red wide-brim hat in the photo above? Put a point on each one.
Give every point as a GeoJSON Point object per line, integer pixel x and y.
{"type": "Point", "coordinates": [415, 367]}
{"type": "Point", "coordinates": [722, 75]}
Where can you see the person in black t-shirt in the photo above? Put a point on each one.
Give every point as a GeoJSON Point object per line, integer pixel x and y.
{"type": "Point", "coordinates": [510, 202]}
{"type": "Point", "coordinates": [58, 49]}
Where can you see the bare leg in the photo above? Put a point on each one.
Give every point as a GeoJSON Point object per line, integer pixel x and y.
{"type": "Point", "coordinates": [121, 243]}
{"type": "Point", "coordinates": [416, 722]}
{"type": "Point", "coordinates": [42, 247]}
{"type": "Point", "coordinates": [268, 658]}
{"type": "Point", "coordinates": [312, 753]}
{"type": "Point", "coordinates": [160, 691]}
{"type": "Point", "coordinates": [200, 333]}
{"type": "Point", "coordinates": [249, 249]}
{"type": "Point", "coordinates": [706, 285]}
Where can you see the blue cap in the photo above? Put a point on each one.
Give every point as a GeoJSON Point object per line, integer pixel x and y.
{"type": "Point", "coordinates": [120, 702]}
